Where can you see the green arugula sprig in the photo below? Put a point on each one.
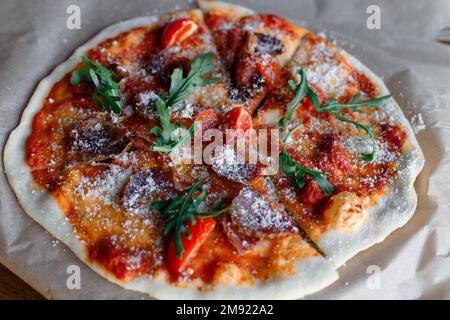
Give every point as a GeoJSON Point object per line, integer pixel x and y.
{"type": "Point", "coordinates": [180, 88]}
{"type": "Point", "coordinates": [165, 139]}
{"type": "Point", "coordinates": [178, 210]}
{"type": "Point", "coordinates": [301, 90]}
{"type": "Point", "coordinates": [295, 171]}
{"type": "Point", "coordinates": [333, 107]}
{"type": "Point", "coordinates": [106, 93]}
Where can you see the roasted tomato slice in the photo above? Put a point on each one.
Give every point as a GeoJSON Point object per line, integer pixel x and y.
{"type": "Point", "coordinates": [199, 232]}
{"type": "Point", "coordinates": [237, 118]}
{"type": "Point", "coordinates": [208, 119]}
{"type": "Point", "coordinates": [178, 31]}
{"type": "Point", "coordinates": [258, 66]}
{"type": "Point", "coordinates": [311, 194]}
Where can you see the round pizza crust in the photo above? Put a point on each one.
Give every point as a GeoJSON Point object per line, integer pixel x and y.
{"type": "Point", "coordinates": [312, 274]}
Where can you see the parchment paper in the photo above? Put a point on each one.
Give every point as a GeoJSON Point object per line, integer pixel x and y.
{"type": "Point", "coordinates": [413, 262]}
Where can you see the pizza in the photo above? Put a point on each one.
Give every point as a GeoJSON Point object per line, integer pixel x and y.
{"type": "Point", "coordinates": [123, 154]}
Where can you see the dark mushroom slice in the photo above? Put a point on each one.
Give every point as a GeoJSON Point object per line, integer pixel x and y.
{"type": "Point", "coordinates": [118, 70]}
{"type": "Point", "coordinates": [145, 187]}
{"type": "Point", "coordinates": [257, 213]}
{"type": "Point", "coordinates": [248, 89]}
{"type": "Point", "coordinates": [146, 103]}
{"type": "Point", "coordinates": [162, 65]}
{"type": "Point", "coordinates": [97, 140]}
{"type": "Point", "coordinates": [259, 43]}
{"type": "Point", "coordinates": [268, 44]}
{"type": "Point", "coordinates": [239, 240]}
{"type": "Point", "coordinates": [256, 70]}
{"type": "Point", "coordinates": [229, 165]}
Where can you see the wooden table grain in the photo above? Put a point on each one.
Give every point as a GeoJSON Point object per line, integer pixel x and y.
{"type": "Point", "coordinates": [13, 288]}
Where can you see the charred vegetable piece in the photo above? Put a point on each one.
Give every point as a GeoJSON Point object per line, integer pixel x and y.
{"type": "Point", "coordinates": [95, 140]}
{"type": "Point", "coordinates": [256, 214]}
{"type": "Point", "coordinates": [146, 186]}
{"type": "Point", "coordinates": [268, 44]}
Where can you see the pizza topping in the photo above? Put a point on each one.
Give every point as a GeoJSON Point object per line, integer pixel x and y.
{"type": "Point", "coordinates": [366, 86]}
{"type": "Point", "coordinates": [208, 119]}
{"type": "Point", "coordinates": [255, 214]}
{"type": "Point", "coordinates": [268, 44]}
{"type": "Point", "coordinates": [197, 232]}
{"type": "Point", "coordinates": [332, 151]}
{"type": "Point", "coordinates": [162, 65]}
{"type": "Point", "coordinates": [251, 68]}
{"type": "Point", "coordinates": [146, 104]}
{"type": "Point", "coordinates": [344, 212]}
{"type": "Point", "coordinates": [238, 239]}
{"type": "Point", "coordinates": [258, 43]}
{"type": "Point", "coordinates": [237, 119]}
{"type": "Point", "coordinates": [244, 93]}
{"type": "Point", "coordinates": [181, 87]}
{"type": "Point", "coordinates": [311, 194]}
{"type": "Point", "coordinates": [325, 66]}
{"type": "Point", "coordinates": [180, 209]}
{"type": "Point", "coordinates": [301, 91]}
{"type": "Point", "coordinates": [106, 93]}
{"type": "Point", "coordinates": [178, 31]}
{"type": "Point", "coordinates": [302, 99]}
{"type": "Point", "coordinates": [254, 69]}
{"type": "Point", "coordinates": [295, 171]}
{"type": "Point", "coordinates": [143, 187]}
{"type": "Point", "coordinates": [334, 108]}
{"type": "Point", "coordinates": [122, 262]}
{"type": "Point", "coordinates": [104, 186]}
{"type": "Point", "coordinates": [168, 134]}
{"type": "Point", "coordinates": [227, 274]}
{"type": "Point", "coordinates": [227, 163]}
{"type": "Point", "coordinates": [94, 139]}
{"type": "Point", "coordinates": [396, 135]}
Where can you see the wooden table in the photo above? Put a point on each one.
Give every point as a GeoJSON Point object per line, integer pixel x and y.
{"type": "Point", "coordinates": [13, 288]}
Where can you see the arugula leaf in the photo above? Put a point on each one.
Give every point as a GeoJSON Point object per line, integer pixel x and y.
{"type": "Point", "coordinates": [335, 108]}
{"type": "Point", "coordinates": [106, 93]}
{"type": "Point", "coordinates": [180, 88]}
{"type": "Point", "coordinates": [301, 91]}
{"type": "Point", "coordinates": [354, 104]}
{"type": "Point", "coordinates": [164, 132]}
{"type": "Point", "coordinates": [368, 157]}
{"type": "Point", "coordinates": [295, 171]}
{"type": "Point", "coordinates": [165, 140]}
{"type": "Point", "coordinates": [178, 210]}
